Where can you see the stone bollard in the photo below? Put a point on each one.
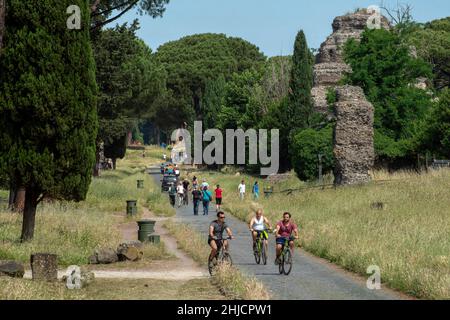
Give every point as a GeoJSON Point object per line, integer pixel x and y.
{"type": "Point", "coordinates": [131, 207]}
{"type": "Point", "coordinates": [44, 266]}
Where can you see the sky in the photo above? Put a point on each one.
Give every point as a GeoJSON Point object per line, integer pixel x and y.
{"type": "Point", "coordinates": [269, 24]}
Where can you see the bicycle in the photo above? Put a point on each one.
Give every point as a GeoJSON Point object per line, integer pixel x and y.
{"type": "Point", "coordinates": [285, 259]}
{"type": "Point", "coordinates": [260, 251]}
{"type": "Point", "coordinates": [222, 256]}
{"type": "Point", "coordinates": [180, 199]}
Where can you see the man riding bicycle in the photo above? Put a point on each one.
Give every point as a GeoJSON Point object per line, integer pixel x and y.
{"type": "Point", "coordinates": [285, 229]}
{"type": "Point", "coordinates": [216, 229]}
{"type": "Point", "coordinates": [257, 226]}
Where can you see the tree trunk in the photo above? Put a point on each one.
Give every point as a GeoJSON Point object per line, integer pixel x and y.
{"type": "Point", "coordinates": [114, 163]}
{"type": "Point", "coordinates": [97, 163]}
{"type": "Point", "coordinates": [158, 136]}
{"type": "Point", "coordinates": [29, 214]}
{"type": "Point", "coordinates": [44, 266]}
{"type": "Point", "coordinates": [2, 21]}
{"type": "Point", "coordinates": [12, 196]}
{"type": "Point", "coordinates": [19, 199]}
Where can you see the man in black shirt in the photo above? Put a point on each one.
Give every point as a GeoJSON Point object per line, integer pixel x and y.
{"type": "Point", "coordinates": [216, 229]}
{"type": "Point", "coordinates": [196, 198]}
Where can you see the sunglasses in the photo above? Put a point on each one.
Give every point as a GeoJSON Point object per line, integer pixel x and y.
{"type": "Point", "coordinates": [221, 217]}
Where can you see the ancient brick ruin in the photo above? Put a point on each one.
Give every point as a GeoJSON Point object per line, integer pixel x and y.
{"type": "Point", "coordinates": [330, 66]}
{"type": "Point", "coordinates": [353, 136]}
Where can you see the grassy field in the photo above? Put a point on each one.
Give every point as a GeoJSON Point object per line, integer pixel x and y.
{"type": "Point", "coordinates": [102, 289]}
{"type": "Point", "coordinates": [408, 239]}
{"type": "Point", "coordinates": [74, 230]}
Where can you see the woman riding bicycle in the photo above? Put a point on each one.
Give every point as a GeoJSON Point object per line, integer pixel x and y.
{"type": "Point", "coordinates": [257, 225]}
{"type": "Point", "coordinates": [285, 229]}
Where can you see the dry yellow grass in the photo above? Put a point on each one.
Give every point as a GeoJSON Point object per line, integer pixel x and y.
{"type": "Point", "coordinates": [408, 239]}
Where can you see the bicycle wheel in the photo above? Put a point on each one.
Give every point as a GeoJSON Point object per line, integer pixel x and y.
{"type": "Point", "coordinates": [226, 258]}
{"type": "Point", "coordinates": [257, 251]}
{"type": "Point", "coordinates": [263, 253]}
{"type": "Point", "coordinates": [212, 266]}
{"type": "Point", "coordinates": [287, 262]}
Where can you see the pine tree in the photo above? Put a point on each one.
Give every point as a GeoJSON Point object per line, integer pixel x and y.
{"type": "Point", "coordinates": [47, 104]}
{"type": "Point", "coordinates": [300, 102]}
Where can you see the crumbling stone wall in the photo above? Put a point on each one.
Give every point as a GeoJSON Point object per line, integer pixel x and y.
{"type": "Point", "coordinates": [353, 136]}
{"type": "Point", "coordinates": [330, 66]}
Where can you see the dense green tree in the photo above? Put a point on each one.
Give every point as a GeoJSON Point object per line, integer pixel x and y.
{"type": "Point", "coordinates": [47, 104]}
{"type": "Point", "coordinates": [301, 82]}
{"type": "Point", "coordinates": [437, 134]}
{"type": "Point", "coordinates": [194, 60]}
{"type": "Point", "coordinates": [307, 145]}
{"type": "Point", "coordinates": [131, 83]}
{"type": "Point", "coordinates": [432, 43]}
{"type": "Point", "coordinates": [212, 101]}
{"type": "Point", "coordinates": [384, 67]}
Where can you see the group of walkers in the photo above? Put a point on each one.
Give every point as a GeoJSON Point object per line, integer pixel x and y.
{"type": "Point", "coordinates": [285, 231]}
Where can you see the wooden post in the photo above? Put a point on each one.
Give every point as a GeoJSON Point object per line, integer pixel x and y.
{"type": "Point", "coordinates": [44, 266]}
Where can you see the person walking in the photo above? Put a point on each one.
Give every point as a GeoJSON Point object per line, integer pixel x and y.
{"type": "Point", "coordinates": [186, 190]}
{"type": "Point", "coordinates": [255, 191]}
{"type": "Point", "coordinates": [218, 192]}
{"type": "Point", "coordinates": [207, 197]}
{"type": "Point", "coordinates": [196, 198]}
{"type": "Point", "coordinates": [241, 189]}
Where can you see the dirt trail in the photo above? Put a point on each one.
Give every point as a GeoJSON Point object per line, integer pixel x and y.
{"type": "Point", "coordinates": [180, 268]}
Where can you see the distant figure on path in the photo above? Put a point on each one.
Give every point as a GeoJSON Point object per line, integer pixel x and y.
{"type": "Point", "coordinates": [241, 189]}
{"type": "Point", "coordinates": [196, 198]}
{"type": "Point", "coordinates": [255, 191]}
{"type": "Point", "coordinates": [172, 194]}
{"type": "Point", "coordinates": [205, 184]}
{"type": "Point", "coordinates": [207, 197]}
{"type": "Point", "coordinates": [218, 191]}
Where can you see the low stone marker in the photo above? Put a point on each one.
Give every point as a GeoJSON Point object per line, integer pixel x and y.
{"type": "Point", "coordinates": [131, 250]}
{"type": "Point", "coordinates": [44, 266]}
{"type": "Point", "coordinates": [104, 256]}
{"type": "Point", "coordinates": [11, 269]}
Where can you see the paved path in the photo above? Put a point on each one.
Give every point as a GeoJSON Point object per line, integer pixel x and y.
{"type": "Point", "coordinates": [311, 278]}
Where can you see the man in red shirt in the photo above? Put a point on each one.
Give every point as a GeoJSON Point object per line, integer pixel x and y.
{"type": "Point", "coordinates": [285, 230]}
{"type": "Point", "coordinates": [218, 193]}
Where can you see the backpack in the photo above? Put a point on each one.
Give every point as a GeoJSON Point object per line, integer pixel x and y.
{"type": "Point", "coordinates": [206, 196]}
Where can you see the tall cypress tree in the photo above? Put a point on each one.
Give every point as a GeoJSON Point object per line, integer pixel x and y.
{"type": "Point", "coordinates": [300, 101]}
{"type": "Point", "coordinates": [48, 92]}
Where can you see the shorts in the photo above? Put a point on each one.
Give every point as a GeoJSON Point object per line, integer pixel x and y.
{"type": "Point", "coordinates": [281, 240]}
{"type": "Point", "coordinates": [218, 243]}
{"type": "Point", "coordinates": [218, 201]}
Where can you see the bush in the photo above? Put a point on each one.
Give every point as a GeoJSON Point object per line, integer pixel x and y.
{"type": "Point", "coordinates": [305, 148]}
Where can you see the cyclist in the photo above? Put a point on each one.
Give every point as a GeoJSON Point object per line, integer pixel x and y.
{"type": "Point", "coordinates": [285, 229]}
{"type": "Point", "coordinates": [216, 229]}
{"type": "Point", "coordinates": [258, 225]}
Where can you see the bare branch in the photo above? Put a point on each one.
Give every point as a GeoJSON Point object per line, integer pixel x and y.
{"type": "Point", "coordinates": [99, 25]}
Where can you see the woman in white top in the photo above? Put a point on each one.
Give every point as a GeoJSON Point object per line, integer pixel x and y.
{"type": "Point", "coordinates": [257, 225]}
